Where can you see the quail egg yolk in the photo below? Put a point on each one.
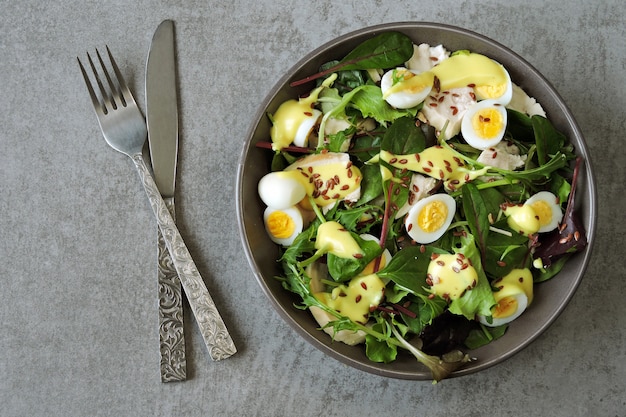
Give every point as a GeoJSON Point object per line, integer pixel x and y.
{"type": "Point", "coordinates": [487, 123]}
{"type": "Point", "coordinates": [432, 216]}
{"type": "Point", "coordinates": [280, 225]}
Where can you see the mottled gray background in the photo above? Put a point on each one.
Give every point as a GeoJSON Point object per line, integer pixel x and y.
{"type": "Point", "coordinates": [78, 332]}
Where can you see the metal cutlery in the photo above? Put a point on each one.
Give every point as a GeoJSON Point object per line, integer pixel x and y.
{"type": "Point", "coordinates": [162, 121]}
{"type": "Point", "coordinates": [124, 129]}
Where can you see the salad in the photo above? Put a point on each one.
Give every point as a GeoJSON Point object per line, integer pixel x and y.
{"type": "Point", "coordinates": [418, 196]}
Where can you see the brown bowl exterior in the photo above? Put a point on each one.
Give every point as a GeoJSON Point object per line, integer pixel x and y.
{"type": "Point", "coordinates": [551, 297]}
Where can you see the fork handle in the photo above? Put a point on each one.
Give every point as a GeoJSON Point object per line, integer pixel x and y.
{"type": "Point", "coordinates": [212, 327]}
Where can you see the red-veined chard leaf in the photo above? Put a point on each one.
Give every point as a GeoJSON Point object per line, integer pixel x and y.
{"type": "Point", "coordinates": [386, 50]}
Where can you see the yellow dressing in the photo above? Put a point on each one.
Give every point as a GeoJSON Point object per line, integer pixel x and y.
{"type": "Point", "coordinates": [355, 299]}
{"type": "Point", "coordinates": [287, 119]}
{"type": "Point", "coordinates": [333, 238]}
{"type": "Point", "coordinates": [437, 162]}
{"type": "Point", "coordinates": [522, 219]}
{"type": "Point", "coordinates": [543, 211]}
{"type": "Point", "coordinates": [451, 275]}
{"type": "Point", "coordinates": [488, 78]}
{"type": "Point", "coordinates": [292, 113]}
{"type": "Point", "coordinates": [521, 278]}
{"type": "Point", "coordinates": [409, 82]}
{"type": "Point", "coordinates": [327, 177]}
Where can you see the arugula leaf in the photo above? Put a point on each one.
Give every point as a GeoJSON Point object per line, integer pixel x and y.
{"type": "Point", "coordinates": [369, 100]}
{"type": "Point", "coordinates": [303, 243]}
{"type": "Point", "coordinates": [351, 218]}
{"type": "Point", "coordinates": [380, 349]}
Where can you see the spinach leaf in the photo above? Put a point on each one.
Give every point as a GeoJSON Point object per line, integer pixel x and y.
{"type": "Point", "coordinates": [403, 137]}
{"type": "Point", "coordinates": [343, 269]}
{"type": "Point", "coordinates": [366, 146]}
{"type": "Point", "coordinates": [484, 335]}
{"type": "Point", "coordinates": [346, 79]}
{"type": "Point", "coordinates": [425, 310]}
{"type": "Point", "coordinates": [549, 141]}
{"type": "Point", "coordinates": [371, 184]}
{"type": "Point", "coordinates": [505, 253]}
{"type": "Point", "coordinates": [477, 216]}
{"type": "Point", "coordinates": [408, 267]}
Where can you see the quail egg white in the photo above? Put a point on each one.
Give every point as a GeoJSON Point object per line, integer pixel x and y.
{"type": "Point", "coordinates": [484, 124]}
{"type": "Point", "coordinates": [283, 225]}
{"type": "Point", "coordinates": [403, 88]}
{"type": "Point", "coordinates": [281, 190]}
{"type": "Point", "coordinates": [514, 294]}
{"type": "Point", "coordinates": [430, 217]}
{"type": "Point", "coordinates": [547, 210]}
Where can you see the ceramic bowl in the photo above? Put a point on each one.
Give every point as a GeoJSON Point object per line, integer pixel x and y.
{"type": "Point", "coordinates": [551, 297]}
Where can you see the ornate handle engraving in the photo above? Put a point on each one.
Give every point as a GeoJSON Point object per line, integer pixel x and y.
{"type": "Point", "coordinates": [212, 327]}
{"type": "Point", "coordinates": [171, 334]}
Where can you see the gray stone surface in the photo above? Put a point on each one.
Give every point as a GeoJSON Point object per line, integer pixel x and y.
{"type": "Point", "coordinates": [78, 333]}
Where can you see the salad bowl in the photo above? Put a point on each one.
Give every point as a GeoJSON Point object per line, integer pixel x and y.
{"type": "Point", "coordinates": [551, 296]}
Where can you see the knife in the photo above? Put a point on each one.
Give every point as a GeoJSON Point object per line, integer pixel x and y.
{"type": "Point", "coordinates": [162, 121]}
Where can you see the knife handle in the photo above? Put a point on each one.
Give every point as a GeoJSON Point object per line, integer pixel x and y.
{"type": "Point", "coordinates": [171, 329]}
{"type": "Point", "coordinates": [214, 332]}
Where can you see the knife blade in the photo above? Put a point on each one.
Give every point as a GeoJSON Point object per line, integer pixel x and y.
{"type": "Point", "coordinates": [162, 121]}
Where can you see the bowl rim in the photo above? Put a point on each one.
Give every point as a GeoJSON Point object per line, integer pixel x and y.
{"type": "Point", "coordinates": [581, 149]}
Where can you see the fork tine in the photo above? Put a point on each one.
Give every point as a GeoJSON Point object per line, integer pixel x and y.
{"type": "Point", "coordinates": [112, 95]}
{"type": "Point", "coordinates": [98, 106]}
{"type": "Point", "coordinates": [124, 91]}
{"type": "Point", "coordinates": [116, 95]}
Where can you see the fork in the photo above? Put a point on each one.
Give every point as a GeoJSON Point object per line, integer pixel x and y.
{"type": "Point", "coordinates": [124, 129]}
